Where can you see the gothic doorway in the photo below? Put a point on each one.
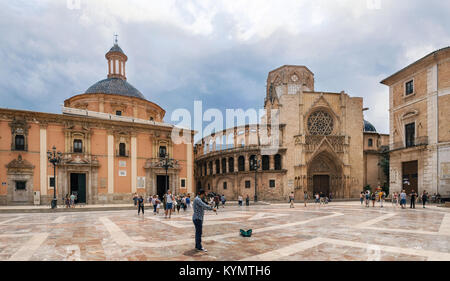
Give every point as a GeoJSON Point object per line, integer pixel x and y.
{"type": "Point", "coordinates": [325, 175]}
{"type": "Point", "coordinates": [321, 184]}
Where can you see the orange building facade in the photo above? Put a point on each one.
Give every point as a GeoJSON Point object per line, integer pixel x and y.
{"type": "Point", "coordinates": [112, 140]}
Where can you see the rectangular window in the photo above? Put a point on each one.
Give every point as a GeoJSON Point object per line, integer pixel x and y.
{"type": "Point", "coordinates": [21, 185]}
{"type": "Point", "coordinates": [224, 185]}
{"type": "Point", "coordinates": [247, 184]}
{"type": "Point", "coordinates": [119, 113]}
{"type": "Point", "coordinates": [162, 151]}
{"type": "Point", "coordinates": [77, 146]}
{"type": "Point", "coordinates": [370, 143]}
{"type": "Point", "coordinates": [183, 183]}
{"type": "Point", "coordinates": [52, 182]}
{"type": "Point", "coordinates": [410, 132]}
{"type": "Point", "coordinates": [122, 150]}
{"type": "Point", "coordinates": [272, 183]}
{"type": "Point", "coordinates": [20, 143]}
{"type": "Point", "coordinates": [409, 87]}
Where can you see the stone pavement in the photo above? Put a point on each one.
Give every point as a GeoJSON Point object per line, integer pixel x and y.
{"type": "Point", "coordinates": [338, 231]}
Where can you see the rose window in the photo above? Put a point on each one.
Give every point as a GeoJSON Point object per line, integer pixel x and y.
{"type": "Point", "coordinates": [320, 123]}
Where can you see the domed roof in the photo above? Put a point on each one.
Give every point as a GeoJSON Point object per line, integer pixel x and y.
{"type": "Point", "coordinates": [368, 127]}
{"type": "Point", "coordinates": [115, 86]}
{"type": "Point", "coordinates": [116, 48]}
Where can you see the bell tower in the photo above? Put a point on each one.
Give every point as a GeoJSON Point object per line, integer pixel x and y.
{"type": "Point", "coordinates": [116, 61]}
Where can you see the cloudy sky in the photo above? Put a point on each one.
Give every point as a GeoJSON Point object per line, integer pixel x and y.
{"type": "Point", "coordinates": [217, 51]}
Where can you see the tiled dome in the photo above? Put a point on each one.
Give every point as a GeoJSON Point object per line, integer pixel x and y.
{"type": "Point", "coordinates": [368, 127]}
{"type": "Point", "coordinates": [115, 86]}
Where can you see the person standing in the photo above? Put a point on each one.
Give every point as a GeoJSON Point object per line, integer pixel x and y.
{"type": "Point", "coordinates": [424, 198]}
{"type": "Point", "coordinates": [403, 199]}
{"type": "Point", "coordinates": [223, 200]}
{"type": "Point", "coordinates": [216, 201]}
{"type": "Point", "coordinates": [374, 198]}
{"type": "Point", "coordinates": [72, 200]}
{"type": "Point", "coordinates": [135, 199]}
{"type": "Point", "coordinates": [178, 204]}
{"type": "Point", "coordinates": [413, 196]}
{"type": "Point", "coordinates": [247, 201]}
{"type": "Point", "coordinates": [291, 200]}
{"type": "Point", "coordinates": [305, 197]}
{"type": "Point", "coordinates": [361, 198]}
{"type": "Point", "coordinates": [169, 203]}
{"type": "Point", "coordinates": [199, 210]}
{"type": "Point", "coordinates": [140, 202]}
{"type": "Point", "coordinates": [188, 201]}
{"type": "Point", "coordinates": [240, 200]}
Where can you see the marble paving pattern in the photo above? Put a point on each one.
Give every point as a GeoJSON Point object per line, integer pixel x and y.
{"type": "Point", "coordinates": [338, 231]}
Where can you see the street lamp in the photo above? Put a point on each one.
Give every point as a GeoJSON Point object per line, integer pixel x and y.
{"type": "Point", "coordinates": [54, 158]}
{"type": "Point", "coordinates": [255, 164]}
{"type": "Point", "coordinates": [166, 163]}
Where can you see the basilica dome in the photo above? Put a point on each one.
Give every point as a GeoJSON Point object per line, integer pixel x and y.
{"type": "Point", "coordinates": [368, 127]}
{"type": "Point", "coordinates": [115, 86]}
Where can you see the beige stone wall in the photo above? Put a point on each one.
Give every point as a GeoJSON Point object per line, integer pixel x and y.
{"type": "Point", "coordinates": [444, 118]}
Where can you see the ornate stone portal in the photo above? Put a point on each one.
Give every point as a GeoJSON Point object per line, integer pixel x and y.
{"type": "Point", "coordinates": [20, 181]}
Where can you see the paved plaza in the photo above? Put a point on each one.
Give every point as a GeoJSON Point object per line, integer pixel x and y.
{"type": "Point", "coordinates": [343, 231]}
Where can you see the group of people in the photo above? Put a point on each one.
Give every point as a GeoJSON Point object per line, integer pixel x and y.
{"type": "Point", "coordinates": [216, 199]}
{"type": "Point", "coordinates": [240, 200]}
{"type": "Point", "coordinates": [397, 198]}
{"type": "Point", "coordinates": [69, 200]}
{"type": "Point", "coordinates": [171, 203]}
{"type": "Point", "coordinates": [322, 199]}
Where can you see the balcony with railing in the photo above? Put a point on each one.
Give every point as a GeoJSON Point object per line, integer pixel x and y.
{"type": "Point", "coordinates": [414, 142]}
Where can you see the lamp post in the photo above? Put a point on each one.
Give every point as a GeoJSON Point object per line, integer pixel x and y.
{"type": "Point", "coordinates": [166, 163]}
{"type": "Point", "coordinates": [54, 158]}
{"type": "Point", "coordinates": [256, 164]}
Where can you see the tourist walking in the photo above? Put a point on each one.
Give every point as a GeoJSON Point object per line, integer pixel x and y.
{"type": "Point", "coordinates": [247, 200]}
{"type": "Point", "coordinates": [188, 201]}
{"type": "Point", "coordinates": [305, 197]}
{"type": "Point", "coordinates": [135, 199]}
{"type": "Point", "coordinates": [178, 201]}
{"type": "Point", "coordinates": [216, 201]}
{"type": "Point", "coordinates": [361, 198]}
{"type": "Point", "coordinates": [67, 201]}
{"type": "Point", "coordinates": [403, 199]}
{"type": "Point", "coordinates": [424, 198]}
{"type": "Point", "coordinates": [291, 200]}
{"type": "Point", "coordinates": [169, 203]}
{"type": "Point", "coordinates": [373, 198]}
{"type": "Point", "coordinates": [382, 197]}
{"type": "Point", "coordinates": [199, 211]}
{"type": "Point", "coordinates": [140, 202]}
{"type": "Point", "coordinates": [367, 197]}
{"type": "Point", "coordinates": [240, 200]}
{"type": "Point", "coordinates": [223, 200]}
{"type": "Point", "coordinates": [394, 199]}
{"type": "Point", "coordinates": [72, 200]}
{"type": "Point", "coordinates": [317, 198]}
{"type": "Point", "coordinates": [413, 196]}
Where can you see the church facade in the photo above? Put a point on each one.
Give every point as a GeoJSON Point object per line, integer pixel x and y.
{"type": "Point", "coordinates": [321, 145]}
{"type": "Point", "coordinates": [112, 141]}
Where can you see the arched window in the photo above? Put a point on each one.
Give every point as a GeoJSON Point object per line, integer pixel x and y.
{"type": "Point", "coordinates": [77, 146]}
{"type": "Point", "coordinates": [277, 160]}
{"type": "Point", "coordinates": [265, 162]}
{"type": "Point", "coordinates": [224, 165]}
{"type": "Point", "coordinates": [231, 165]}
{"type": "Point", "coordinates": [210, 168]}
{"type": "Point", "coordinates": [20, 142]}
{"type": "Point", "coordinates": [217, 166]}
{"type": "Point", "coordinates": [251, 162]}
{"type": "Point", "coordinates": [241, 164]}
{"type": "Point", "coordinates": [205, 171]}
{"type": "Point", "coordinates": [122, 150]}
